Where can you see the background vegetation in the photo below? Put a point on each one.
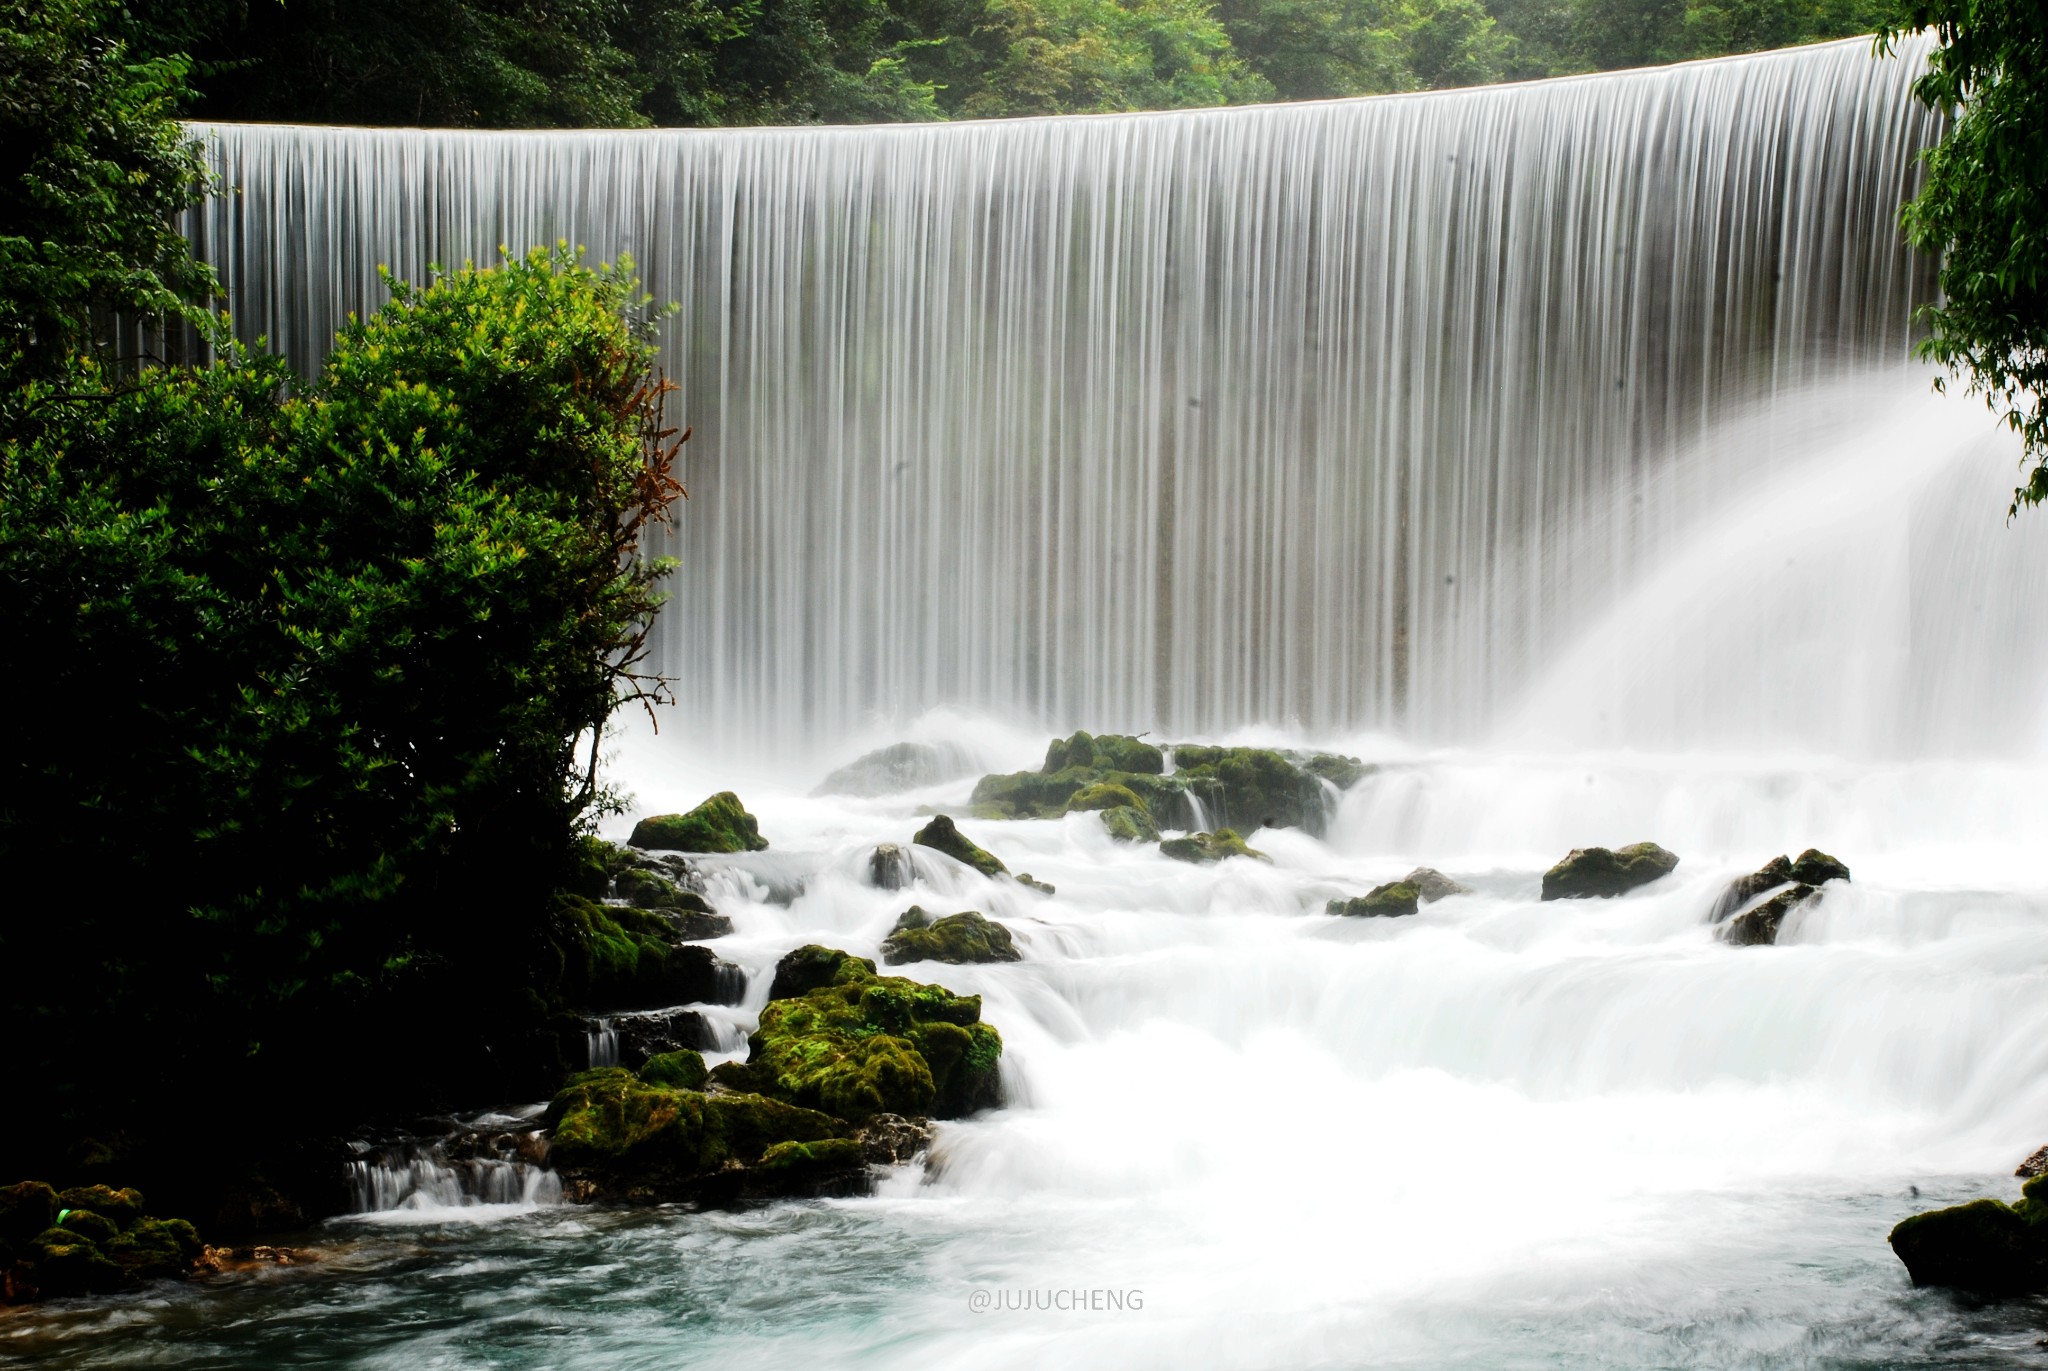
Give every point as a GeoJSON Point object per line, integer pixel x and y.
{"type": "Point", "coordinates": [602, 63]}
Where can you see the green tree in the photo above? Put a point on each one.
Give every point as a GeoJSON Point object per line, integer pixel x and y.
{"type": "Point", "coordinates": [1984, 209]}
{"type": "Point", "coordinates": [1093, 56]}
{"type": "Point", "coordinates": [92, 169]}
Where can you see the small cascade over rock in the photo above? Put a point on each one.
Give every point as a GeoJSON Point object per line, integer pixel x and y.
{"type": "Point", "coordinates": [499, 1159]}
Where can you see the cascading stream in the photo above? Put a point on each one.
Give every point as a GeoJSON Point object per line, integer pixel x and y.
{"type": "Point", "coordinates": [1341, 414]}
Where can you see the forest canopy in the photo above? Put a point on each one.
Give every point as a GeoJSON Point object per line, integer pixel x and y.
{"type": "Point", "coordinates": [636, 63]}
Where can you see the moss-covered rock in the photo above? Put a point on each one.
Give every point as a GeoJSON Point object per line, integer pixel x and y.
{"type": "Point", "coordinates": [720, 824]}
{"type": "Point", "coordinates": [618, 1137]}
{"type": "Point", "coordinates": [1253, 787]}
{"type": "Point", "coordinates": [91, 1240]}
{"type": "Point", "coordinates": [94, 1228]}
{"type": "Point", "coordinates": [1814, 867]}
{"type": "Point", "coordinates": [1240, 786]}
{"type": "Point", "coordinates": [1202, 848]}
{"type": "Point", "coordinates": [1984, 1247]}
{"type": "Point", "coordinates": [1392, 900]}
{"type": "Point", "coordinates": [1103, 795]}
{"type": "Point", "coordinates": [941, 836]}
{"type": "Point", "coordinates": [811, 966]}
{"type": "Point", "coordinates": [683, 1069]}
{"type": "Point", "coordinates": [869, 1044]}
{"type": "Point", "coordinates": [154, 1248]}
{"type": "Point", "coordinates": [123, 1206]}
{"type": "Point", "coordinates": [1130, 824]}
{"type": "Point", "coordinates": [958, 938]}
{"type": "Point", "coordinates": [1601, 873]}
{"type": "Point", "coordinates": [1030, 882]}
{"type": "Point", "coordinates": [1760, 926]}
{"type": "Point", "coordinates": [617, 957]}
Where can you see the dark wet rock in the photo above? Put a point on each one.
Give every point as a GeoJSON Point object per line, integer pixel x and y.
{"type": "Point", "coordinates": [1760, 926]}
{"type": "Point", "coordinates": [2036, 1164]}
{"type": "Point", "coordinates": [961, 938]}
{"type": "Point", "coordinates": [1814, 867]}
{"type": "Point", "coordinates": [1391, 900]}
{"type": "Point", "coordinates": [811, 966]}
{"type": "Point", "coordinates": [1432, 885]}
{"type": "Point", "coordinates": [1030, 882]}
{"type": "Point", "coordinates": [890, 867]}
{"type": "Point", "coordinates": [1743, 889]}
{"type": "Point", "coordinates": [1810, 868]}
{"type": "Point", "coordinates": [1204, 848]}
{"type": "Point", "coordinates": [941, 836]}
{"type": "Point", "coordinates": [720, 824]}
{"type": "Point", "coordinates": [643, 1037]}
{"type": "Point", "coordinates": [1130, 824]}
{"type": "Point", "coordinates": [1984, 1247]}
{"type": "Point", "coordinates": [897, 768]}
{"type": "Point", "coordinates": [891, 1139]}
{"type": "Point", "coordinates": [694, 927]}
{"type": "Point", "coordinates": [89, 1240]}
{"type": "Point", "coordinates": [1602, 873]}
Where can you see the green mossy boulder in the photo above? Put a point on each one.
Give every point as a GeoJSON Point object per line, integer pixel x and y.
{"type": "Point", "coordinates": [941, 836]}
{"type": "Point", "coordinates": [1103, 795]}
{"type": "Point", "coordinates": [1984, 1247]}
{"type": "Point", "coordinates": [59, 1262]}
{"type": "Point", "coordinates": [809, 967]}
{"type": "Point", "coordinates": [1244, 787]}
{"type": "Point", "coordinates": [1109, 752]}
{"type": "Point", "coordinates": [89, 1240]}
{"type": "Point", "coordinates": [720, 824]}
{"type": "Point", "coordinates": [804, 1160]}
{"type": "Point", "coordinates": [1252, 787]}
{"type": "Point", "coordinates": [1392, 900]}
{"type": "Point", "coordinates": [122, 1206]}
{"type": "Point", "coordinates": [1130, 824]}
{"type": "Point", "coordinates": [1601, 873]}
{"type": "Point", "coordinates": [868, 1044]}
{"type": "Point", "coordinates": [94, 1228]}
{"type": "Point", "coordinates": [155, 1248]}
{"type": "Point", "coordinates": [614, 957]}
{"type": "Point", "coordinates": [958, 938]}
{"type": "Point", "coordinates": [616, 1136]}
{"type": "Point", "coordinates": [1203, 848]}
{"type": "Point", "coordinates": [680, 1070]}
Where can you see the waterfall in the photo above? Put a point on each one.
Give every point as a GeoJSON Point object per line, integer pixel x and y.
{"type": "Point", "coordinates": [1342, 414]}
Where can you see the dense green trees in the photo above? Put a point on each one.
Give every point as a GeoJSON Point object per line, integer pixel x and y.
{"type": "Point", "coordinates": [515, 63]}
{"type": "Point", "coordinates": [308, 673]}
{"type": "Point", "coordinates": [1984, 209]}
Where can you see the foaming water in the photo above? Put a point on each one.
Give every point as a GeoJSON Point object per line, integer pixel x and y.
{"type": "Point", "coordinates": [1499, 1133]}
